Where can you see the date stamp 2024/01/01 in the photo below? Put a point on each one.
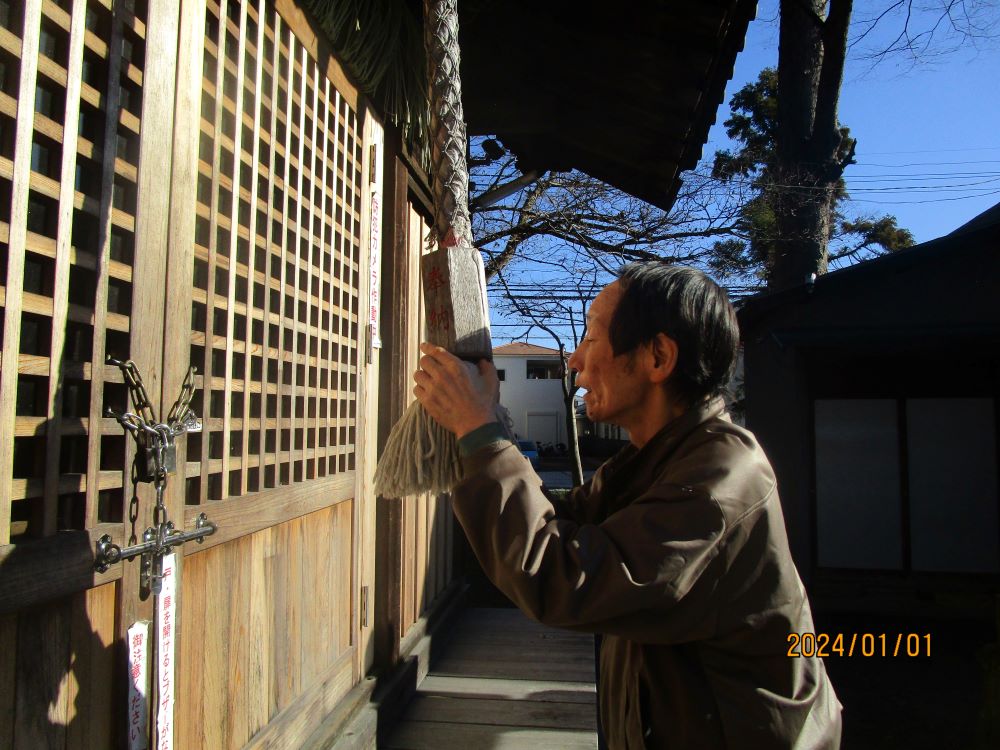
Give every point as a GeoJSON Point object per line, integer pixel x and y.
{"type": "Point", "coordinates": [859, 644]}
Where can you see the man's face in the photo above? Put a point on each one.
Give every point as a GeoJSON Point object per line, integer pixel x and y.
{"type": "Point", "coordinates": [617, 389]}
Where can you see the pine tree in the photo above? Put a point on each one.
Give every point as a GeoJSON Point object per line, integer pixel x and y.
{"type": "Point", "coordinates": [764, 245]}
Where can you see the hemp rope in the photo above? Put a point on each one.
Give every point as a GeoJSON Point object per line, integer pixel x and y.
{"type": "Point", "coordinates": [448, 142]}
{"type": "Point", "coordinates": [420, 455]}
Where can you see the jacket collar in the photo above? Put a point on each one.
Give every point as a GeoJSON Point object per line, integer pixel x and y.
{"type": "Point", "coordinates": [672, 433]}
{"type": "Point", "coordinates": [629, 473]}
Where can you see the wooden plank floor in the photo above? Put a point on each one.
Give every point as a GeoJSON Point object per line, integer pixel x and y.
{"type": "Point", "coordinates": [504, 681]}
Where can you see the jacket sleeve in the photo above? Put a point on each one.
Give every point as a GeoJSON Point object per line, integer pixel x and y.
{"type": "Point", "coordinates": [634, 575]}
{"type": "Point", "coordinates": [574, 506]}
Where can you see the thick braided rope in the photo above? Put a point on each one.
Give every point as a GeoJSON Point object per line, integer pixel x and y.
{"type": "Point", "coordinates": [447, 123]}
{"type": "Point", "coordinates": [420, 455]}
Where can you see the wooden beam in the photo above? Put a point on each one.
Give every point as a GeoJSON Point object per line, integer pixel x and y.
{"type": "Point", "coordinates": [392, 400]}
{"type": "Point", "coordinates": [210, 303]}
{"type": "Point", "coordinates": [180, 262]}
{"type": "Point", "coordinates": [102, 254]}
{"type": "Point", "coordinates": [309, 36]}
{"type": "Point", "coordinates": [60, 294]}
{"type": "Point", "coordinates": [269, 259]}
{"type": "Point", "coordinates": [284, 456]}
{"type": "Point", "coordinates": [15, 254]}
{"type": "Point", "coordinates": [152, 225]}
{"type": "Point", "coordinates": [257, 132]}
{"type": "Point", "coordinates": [240, 516]}
{"type": "Point", "coordinates": [231, 251]}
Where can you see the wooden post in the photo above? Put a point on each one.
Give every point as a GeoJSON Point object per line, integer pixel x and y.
{"type": "Point", "coordinates": [15, 256]}
{"type": "Point", "coordinates": [60, 295]}
{"type": "Point", "coordinates": [369, 360]}
{"type": "Point", "coordinates": [152, 219]}
{"type": "Point", "coordinates": [234, 233]}
{"type": "Point", "coordinates": [392, 400]}
{"type": "Point", "coordinates": [102, 251]}
{"type": "Point", "coordinates": [179, 274]}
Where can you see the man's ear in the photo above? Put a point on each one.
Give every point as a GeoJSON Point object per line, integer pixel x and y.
{"type": "Point", "coordinates": [663, 350]}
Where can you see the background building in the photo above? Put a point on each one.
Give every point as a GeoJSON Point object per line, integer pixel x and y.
{"type": "Point", "coordinates": [531, 389]}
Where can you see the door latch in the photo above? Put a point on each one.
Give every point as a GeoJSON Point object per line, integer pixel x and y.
{"type": "Point", "coordinates": [155, 459]}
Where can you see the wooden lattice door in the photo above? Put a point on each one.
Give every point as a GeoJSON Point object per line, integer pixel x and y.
{"type": "Point", "coordinates": [181, 182]}
{"type": "Point", "coordinates": [278, 313]}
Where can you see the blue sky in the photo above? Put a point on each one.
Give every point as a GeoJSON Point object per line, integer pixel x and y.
{"type": "Point", "coordinates": [928, 131]}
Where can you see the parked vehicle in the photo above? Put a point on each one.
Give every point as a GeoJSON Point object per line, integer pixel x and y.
{"type": "Point", "coordinates": [551, 450]}
{"type": "Point", "coordinates": [530, 450]}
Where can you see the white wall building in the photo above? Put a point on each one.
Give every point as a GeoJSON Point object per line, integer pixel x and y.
{"type": "Point", "coordinates": [531, 389]}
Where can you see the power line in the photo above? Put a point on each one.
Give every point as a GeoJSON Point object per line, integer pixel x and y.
{"type": "Point", "coordinates": [989, 177]}
{"type": "Point", "coordinates": [929, 200]}
{"type": "Point", "coordinates": [928, 163]}
{"type": "Point", "coordinates": [926, 176]}
{"type": "Point", "coordinates": [943, 188]}
{"type": "Point", "coordinates": [934, 150]}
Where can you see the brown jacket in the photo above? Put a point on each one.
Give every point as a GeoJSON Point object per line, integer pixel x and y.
{"type": "Point", "coordinates": [677, 554]}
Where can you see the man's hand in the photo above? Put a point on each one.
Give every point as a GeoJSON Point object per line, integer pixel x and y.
{"type": "Point", "coordinates": [453, 392]}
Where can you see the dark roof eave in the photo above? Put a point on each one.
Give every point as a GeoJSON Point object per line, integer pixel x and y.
{"type": "Point", "coordinates": [526, 92]}
{"type": "Point", "coordinates": [968, 240]}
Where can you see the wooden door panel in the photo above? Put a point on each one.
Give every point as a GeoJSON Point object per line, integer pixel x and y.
{"type": "Point", "coordinates": [266, 619]}
{"type": "Point", "coordinates": [81, 247]}
{"type": "Point", "coordinates": [268, 613]}
{"type": "Point", "coordinates": [276, 261]}
{"type": "Point", "coordinates": [57, 673]}
{"type": "Point", "coordinates": [237, 246]}
{"type": "Point", "coordinates": [68, 237]}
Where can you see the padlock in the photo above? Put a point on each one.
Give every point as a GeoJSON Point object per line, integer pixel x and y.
{"type": "Point", "coordinates": [170, 458]}
{"type": "Point", "coordinates": [169, 451]}
{"type": "Point", "coordinates": [145, 458]}
{"type": "Point", "coordinates": [145, 463]}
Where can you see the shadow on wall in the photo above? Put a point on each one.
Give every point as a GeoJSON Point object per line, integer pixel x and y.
{"type": "Point", "coordinates": [56, 670]}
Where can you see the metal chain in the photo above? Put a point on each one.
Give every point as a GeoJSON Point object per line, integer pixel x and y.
{"type": "Point", "coordinates": [136, 389]}
{"type": "Point", "coordinates": [133, 506]}
{"type": "Point", "coordinates": [181, 409]}
{"type": "Point", "coordinates": [159, 510]}
{"type": "Point", "coordinates": [155, 442]}
{"type": "Point", "coordinates": [164, 436]}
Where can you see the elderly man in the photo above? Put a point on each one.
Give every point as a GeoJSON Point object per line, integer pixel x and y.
{"type": "Point", "coordinates": [675, 552]}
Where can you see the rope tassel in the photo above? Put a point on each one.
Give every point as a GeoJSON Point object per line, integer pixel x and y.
{"type": "Point", "coordinates": [420, 456]}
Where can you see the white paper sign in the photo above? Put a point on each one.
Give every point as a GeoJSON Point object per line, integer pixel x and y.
{"type": "Point", "coordinates": [138, 685]}
{"type": "Point", "coordinates": [375, 262]}
{"type": "Point", "coordinates": [166, 607]}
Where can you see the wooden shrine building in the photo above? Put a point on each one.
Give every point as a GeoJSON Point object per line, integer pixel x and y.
{"type": "Point", "coordinates": [209, 183]}
{"type": "Point", "coordinates": [875, 392]}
